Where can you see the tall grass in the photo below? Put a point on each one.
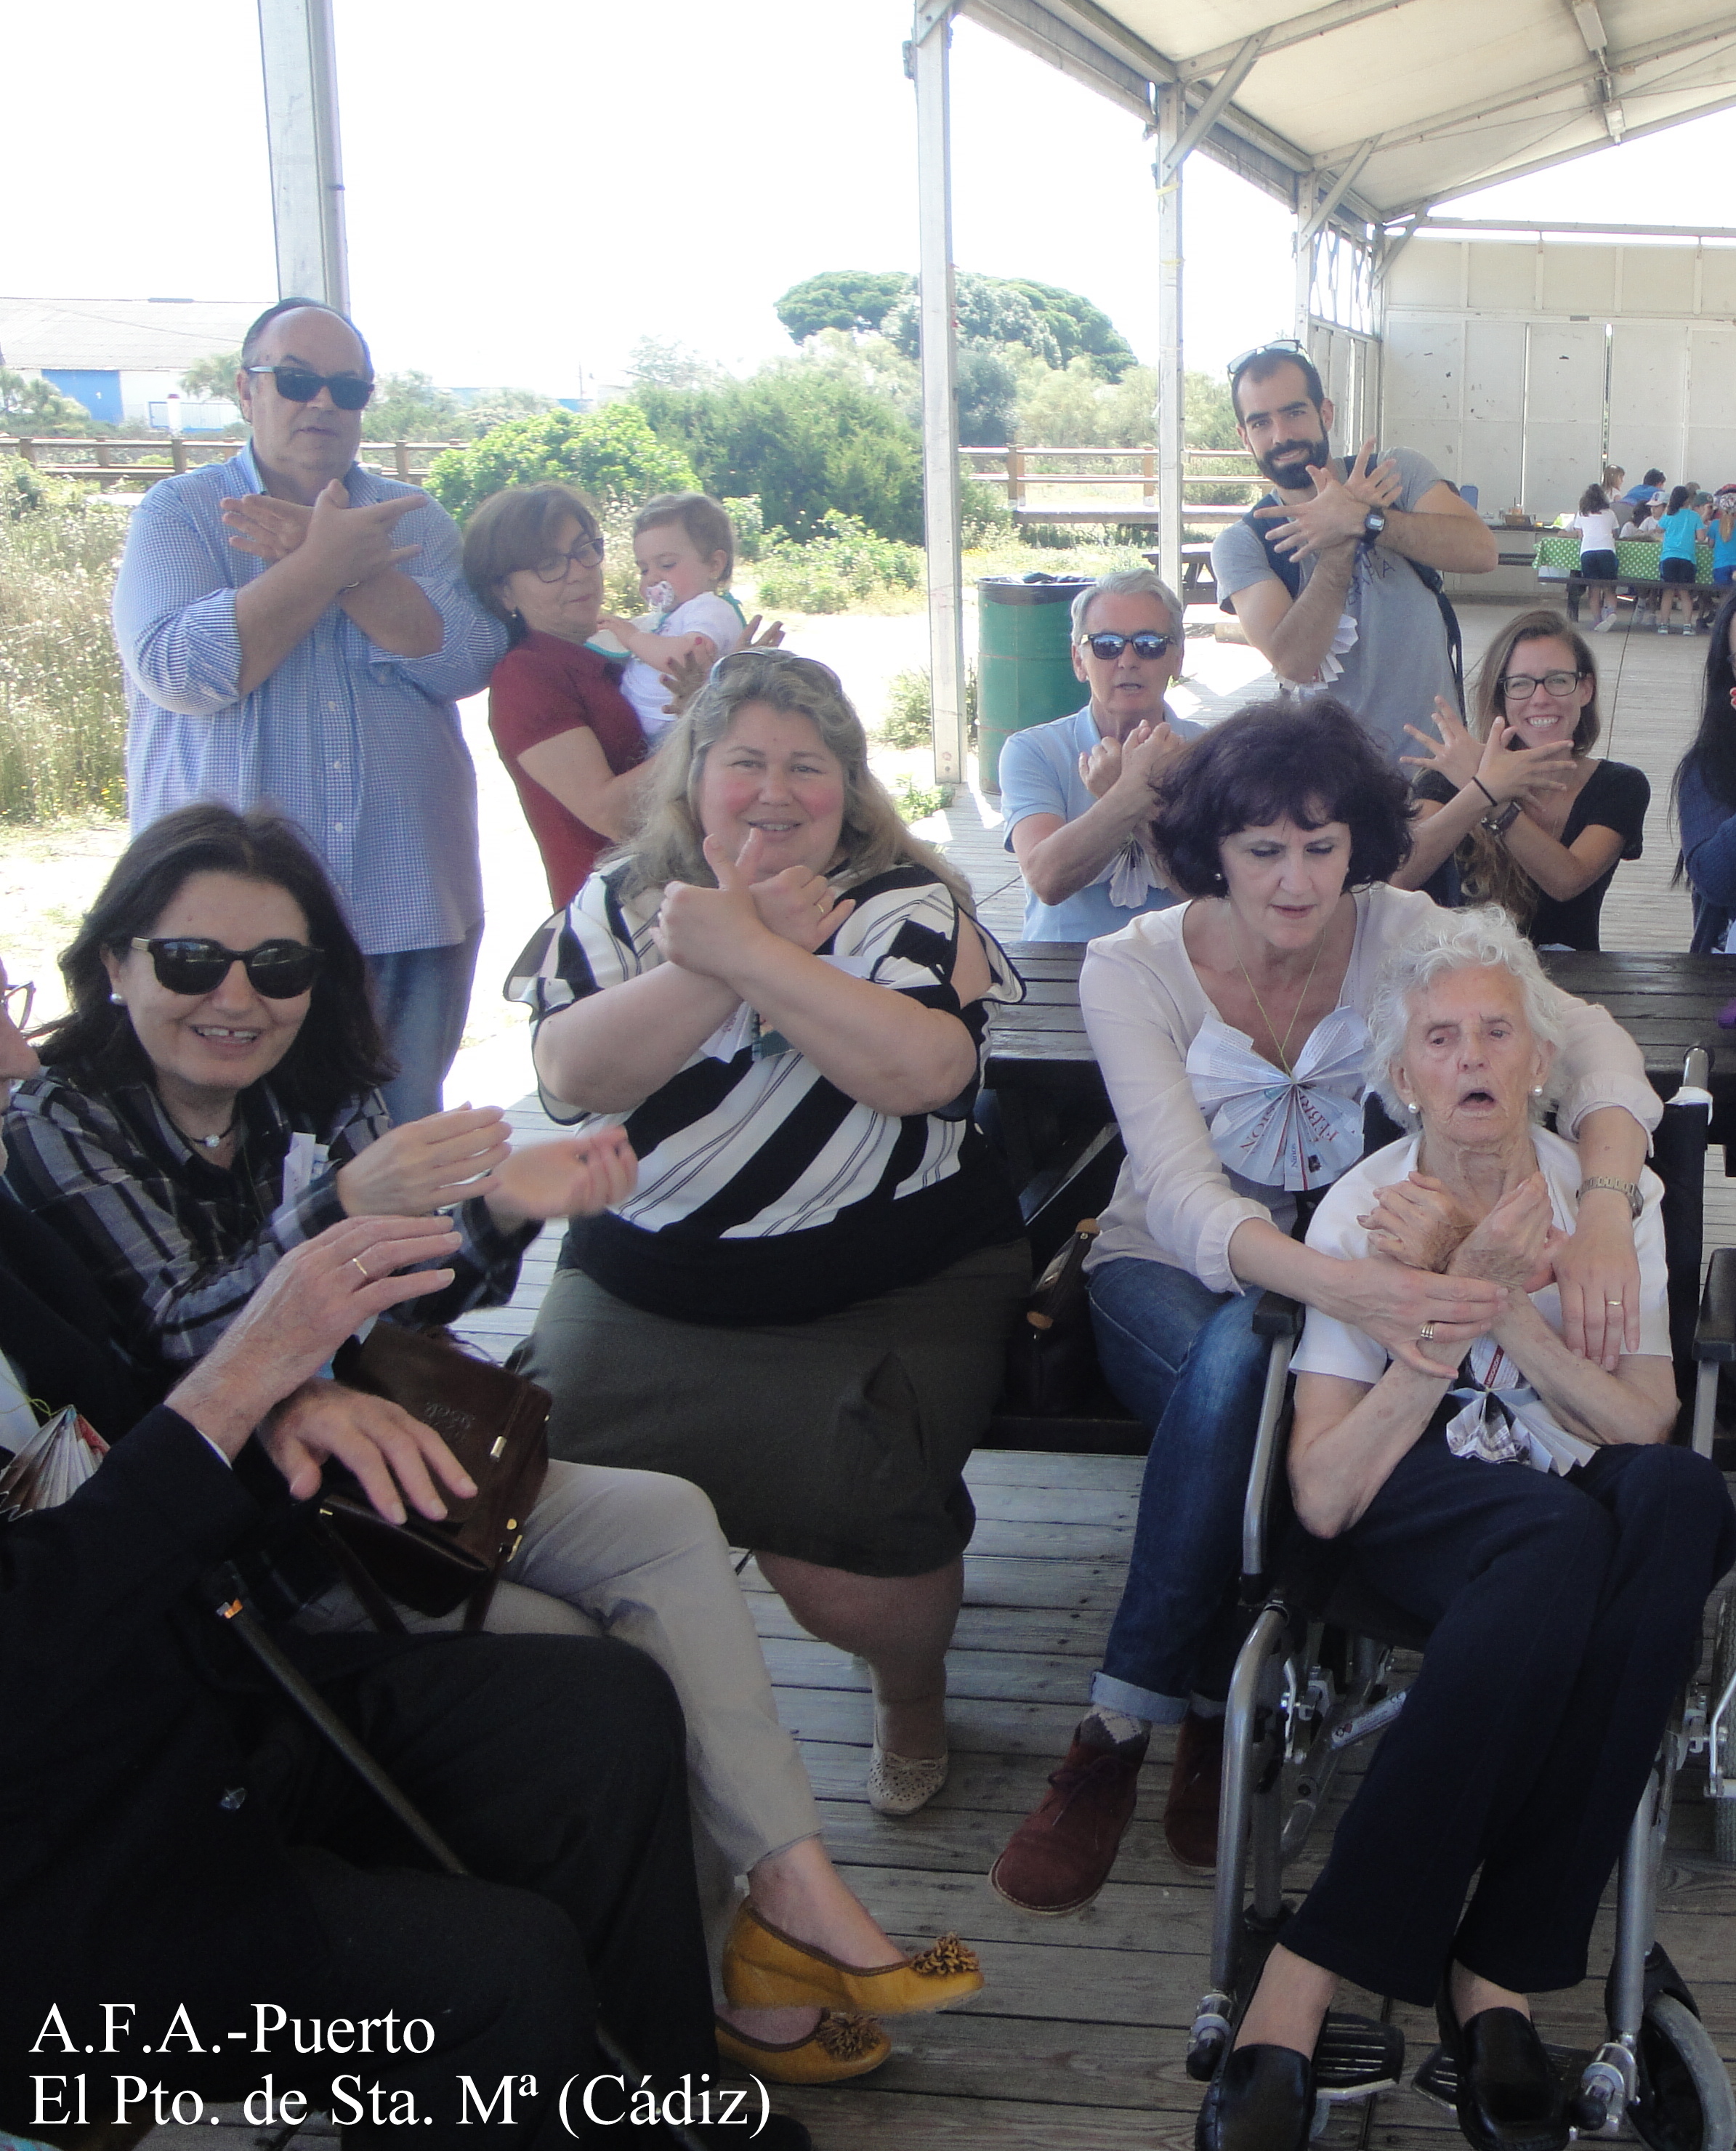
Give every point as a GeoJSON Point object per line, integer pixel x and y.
{"type": "Point", "coordinates": [62, 712]}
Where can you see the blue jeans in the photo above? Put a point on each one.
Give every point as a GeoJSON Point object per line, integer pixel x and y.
{"type": "Point", "coordinates": [1185, 1358]}
{"type": "Point", "coordinates": [422, 997]}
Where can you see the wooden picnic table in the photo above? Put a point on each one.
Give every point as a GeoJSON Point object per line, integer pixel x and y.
{"type": "Point", "coordinates": [1041, 1060]}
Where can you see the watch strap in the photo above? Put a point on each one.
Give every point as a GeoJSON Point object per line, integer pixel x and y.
{"type": "Point", "coordinates": [1502, 819]}
{"type": "Point", "coordinates": [1636, 1201]}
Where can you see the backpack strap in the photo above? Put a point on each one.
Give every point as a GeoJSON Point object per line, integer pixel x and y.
{"type": "Point", "coordinates": [1289, 574]}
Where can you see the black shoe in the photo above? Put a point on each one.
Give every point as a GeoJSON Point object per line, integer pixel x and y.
{"type": "Point", "coordinates": [1511, 2096]}
{"type": "Point", "coordinates": [1261, 2099]}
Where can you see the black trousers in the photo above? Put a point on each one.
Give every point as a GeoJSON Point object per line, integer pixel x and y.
{"type": "Point", "coordinates": [1567, 1614]}
{"type": "Point", "coordinates": [554, 1767]}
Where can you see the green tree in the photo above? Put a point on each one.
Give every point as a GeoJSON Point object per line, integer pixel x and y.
{"type": "Point", "coordinates": [611, 453]}
{"type": "Point", "coordinates": [1211, 414]}
{"type": "Point", "coordinates": [500, 407]}
{"type": "Point", "coordinates": [807, 440]}
{"type": "Point", "coordinates": [212, 379]}
{"type": "Point", "coordinates": [408, 406]}
{"type": "Point", "coordinates": [1015, 314]}
{"type": "Point", "coordinates": [988, 386]}
{"type": "Point", "coordinates": [1080, 329]}
{"type": "Point", "coordinates": [32, 405]}
{"type": "Point", "coordinates": [850, 299]}
{"type": "Point", "coordinates": [654, 364]}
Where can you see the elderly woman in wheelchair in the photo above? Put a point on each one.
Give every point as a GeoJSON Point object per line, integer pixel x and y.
{"type": "Point", "coordinates": [1523, 1506]}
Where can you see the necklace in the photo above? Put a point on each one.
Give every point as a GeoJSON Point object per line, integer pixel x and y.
{"type": "Point", "coordinates": [204, 1142]}
{"type": "Point", "coordinates": [1282, 1043]}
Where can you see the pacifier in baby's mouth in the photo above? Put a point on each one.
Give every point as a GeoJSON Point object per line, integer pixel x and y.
{"type": "Point", "coordinates": [660, 597]}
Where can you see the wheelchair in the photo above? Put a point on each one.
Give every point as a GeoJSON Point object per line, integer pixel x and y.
{"type": "Point", "coordinates": [1316, 1677]}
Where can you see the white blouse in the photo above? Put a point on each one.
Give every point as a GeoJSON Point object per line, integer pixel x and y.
{"type": "Point", "coordinates": [1176, 1201]}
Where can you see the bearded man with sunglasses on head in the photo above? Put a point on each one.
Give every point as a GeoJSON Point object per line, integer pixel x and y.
{"type": "Point", "coordinates": [298, 631]}
{"type": "Point", "coordinates": [1078, 793]}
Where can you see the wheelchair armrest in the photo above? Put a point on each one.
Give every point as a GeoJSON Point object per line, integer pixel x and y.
{"type": "Point", "coordinates": [1269, 1442]}
{"type": "Point", "coordinates": [1715, 1336]}
{"type": "Point", "coordinates": [1277, 1317]}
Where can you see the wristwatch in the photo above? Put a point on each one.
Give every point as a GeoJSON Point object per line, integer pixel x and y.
{"type": "Point", "coordinates": [1502, 819]}
{"type": "Point", "coordinates": [1372, 523]}
{"type": "Point", "coordinates": [1636, 1202]}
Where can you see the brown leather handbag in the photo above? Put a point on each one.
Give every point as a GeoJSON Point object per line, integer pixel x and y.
{"type": "Point", "coordinates": [495, 1423]}
{"type": "Point", "coordinates": [1051, 1364]}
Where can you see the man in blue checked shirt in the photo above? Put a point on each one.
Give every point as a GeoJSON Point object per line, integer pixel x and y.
{"type": "Point", "coordinates": [297, 632]}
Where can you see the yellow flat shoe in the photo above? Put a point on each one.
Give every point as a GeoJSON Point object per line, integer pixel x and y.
{"type": "Point", "coordinates": [842, 2045]}
{"type": "Point", "coordinates": [763, 1968]}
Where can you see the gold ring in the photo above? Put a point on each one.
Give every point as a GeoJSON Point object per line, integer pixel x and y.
{"type": "Point", "coordinates": [1612, 1302]}
{"type": "Point", "coordinates": [1425, 1335]}
{"type": "Point", "coordinates": [356, 1264]}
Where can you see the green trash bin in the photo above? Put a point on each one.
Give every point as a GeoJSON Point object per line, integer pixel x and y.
{"type": "Point", "coordinates": [1024, 662]}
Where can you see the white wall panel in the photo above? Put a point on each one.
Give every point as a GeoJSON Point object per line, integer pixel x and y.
{"type": "Point", "coordinates": [1647, 396]}
{"type": "Point", "coordinates": [1492, 450]}
{"type": "Point", "coordinates": [1422, 403]}
{"type": "Point", "coordinates": [1710, 446]}
{"type": "Point", "coordinates": [1563, 413]}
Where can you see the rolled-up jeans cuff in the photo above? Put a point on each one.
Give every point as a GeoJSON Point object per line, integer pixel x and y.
{"type": "Point", "coordinates": [1109, 1693]}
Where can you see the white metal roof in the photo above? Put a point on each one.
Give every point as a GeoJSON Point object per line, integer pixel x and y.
{"type": "Point", "coordinates": [1400, 102]}
{"type": "Point", "coordinates": [134, 335]}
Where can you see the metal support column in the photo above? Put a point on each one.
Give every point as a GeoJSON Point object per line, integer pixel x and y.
{"type": "Point", "coordinates": [1307, 191]}
{"type": "Point", "coordinates": [297, 48]}
{"type": "Point", "coordinates": [1172, 416]}
{"type": "Point", "coordinates": [927, 62]}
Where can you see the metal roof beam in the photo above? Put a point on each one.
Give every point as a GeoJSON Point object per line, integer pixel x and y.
{"type": "Point", "coordinates": [1573, 78]}
{"type": "Point", "coordinates": [1038, 30]}
{"type": "Point", "coordinates": [1103, 28]}
{"type": "Point", "coordinates": [1341, 186]}
{"type": "Point", "coordinates": [1543, 226]}
{"type": "Point", "coordinates": [1206, 118]}
{"type": "Point", "coordinates": [1319, 23]}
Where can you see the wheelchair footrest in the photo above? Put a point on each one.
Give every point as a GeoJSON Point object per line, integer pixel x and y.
{"type": "Point", "coordinates": [1438, 2078]}
{"type": "Point", "coordinates": [1355, 2057]}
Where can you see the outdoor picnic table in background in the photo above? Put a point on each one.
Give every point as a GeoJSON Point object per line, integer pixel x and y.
{"type": "Point", "coordinates": [1636, 558]}
{"type": "Point", "coordinates": [1042, 1070]}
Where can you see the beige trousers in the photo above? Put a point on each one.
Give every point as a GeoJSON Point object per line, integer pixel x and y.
{"type": "Point", "coordinates": [638, 1555]}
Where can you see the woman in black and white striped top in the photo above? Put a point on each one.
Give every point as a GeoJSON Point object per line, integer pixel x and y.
{"type": "Point", "coordinates": [803, 1307]}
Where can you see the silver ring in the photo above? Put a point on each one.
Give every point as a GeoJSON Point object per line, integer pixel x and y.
{"type": "Point", "coordinates": [1612, 1302]}
{"type": "Point", "coordinates": [1425, 1335]}
{"type": "Point", "coordinates": [356, 1264]}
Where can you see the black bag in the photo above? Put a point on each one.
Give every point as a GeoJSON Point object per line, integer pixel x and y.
{"type": "Point", "coordinates": [1289, 574]}
{"type": "Point", "coordinates": [1051, 1370]}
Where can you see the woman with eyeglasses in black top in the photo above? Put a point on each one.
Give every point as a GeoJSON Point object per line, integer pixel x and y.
{"type": "Point", "coordinates": [1514, 809]}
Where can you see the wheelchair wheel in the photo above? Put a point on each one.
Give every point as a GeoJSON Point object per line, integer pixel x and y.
{"type": "Point", "coordinates": [1685, 2101]}
{"type": "Point", "coordinates": [1723, 1664]}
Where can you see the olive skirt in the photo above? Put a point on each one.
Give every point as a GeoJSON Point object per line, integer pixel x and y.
{"type": "Point", "coordinates": [840, 1441]}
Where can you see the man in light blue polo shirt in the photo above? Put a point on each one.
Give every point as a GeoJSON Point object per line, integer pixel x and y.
{"type": "Point", "coordinates": [1076, 792]}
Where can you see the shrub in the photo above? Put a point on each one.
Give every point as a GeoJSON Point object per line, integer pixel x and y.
{"type": "Point", "coordinates": [1058, 536]}
{"type": "Point", "coordinates": [983, 512]}
{"type": "Point", "coordinates": [845, 563]}
{"type": "Point", "coordinates": [916, 802]}
{"type": "Point", "coordinates": [909, 719]}
{"type": "Point", "coordinates": [749, 525]}
{"type": "Point", "coordinates": [611, 454]}
{"type": "Point", "coordinates": [63, 711]}
{"type": "Point", "coordinates": [806, 439]}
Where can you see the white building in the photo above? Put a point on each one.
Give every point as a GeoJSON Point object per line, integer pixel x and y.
{"type": "Point", "coordinates": [119, 357]}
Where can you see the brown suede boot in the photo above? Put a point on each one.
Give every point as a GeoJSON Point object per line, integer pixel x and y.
{"type": "Point", "coordinates": [1190, 1814]}
{"type": "Point", "coordinates": [1059, 1857]}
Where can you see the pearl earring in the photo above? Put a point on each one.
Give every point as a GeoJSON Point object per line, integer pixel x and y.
{"type": "Point", "coordinates": [1536, 1090]}
{"type": "Point", "coordinates": [117, 1001]}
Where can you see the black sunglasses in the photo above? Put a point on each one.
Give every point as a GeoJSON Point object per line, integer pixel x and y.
{"type": "Point", "coordinates": [1279, 346]}
{"type": "Point", "coordinates": [1145, 645]}
{"type": "Point", "coordinates": [296, 384]}
{"type": "Point", "coordinates": [277, 969]}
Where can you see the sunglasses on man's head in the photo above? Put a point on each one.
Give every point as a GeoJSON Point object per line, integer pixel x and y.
{"type": "Point", "coordinates": [1108, 647]}
{"type": "Point", "coordinates": [298, 384]}
{"type": "Point", "coordinates": [277, 969]}
{"type": "Point", "coordinates": [1279, 347]}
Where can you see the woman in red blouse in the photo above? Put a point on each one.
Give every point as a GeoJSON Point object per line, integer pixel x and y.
{"type": "Point", "coordinates": [533, 555]}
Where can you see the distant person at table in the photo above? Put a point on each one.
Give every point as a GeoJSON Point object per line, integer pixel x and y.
{"type": "Point", "coordinates": [1078, 793]}
{"type": "Point", "coordinates": [1703, 798]}
{"type": "Point", "coordinates": [1721, 528]}
{"type": "Point", "coordinates": [1645, 494]}
{"type": "Point", "coordinates": [1515, 808]}
{"type": "Point", "coordinates": [1596, 524]}
{"type": "Point", "coordinates": [1678, 560]}
{"type": "Point", "coordinates": [296, 630]}
{"type": "Point", "coordinates": [1336, 576]}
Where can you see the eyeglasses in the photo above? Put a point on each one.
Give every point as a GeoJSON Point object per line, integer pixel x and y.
{"type": "Point", "coordinates": [1279, 347]}
{"type": "Point", "coordinates": [277, 969]}
{"type": "Point", "coordinates": [18, 1001]}
{"type": "Point", "coordinates": [1146, 644]}
{"type": "Point", "coordinates": [1520, 687]}
{"type": "Point", "coordinates": [295, 384]}
{"type": "Point", "coordinates": [588, 553]}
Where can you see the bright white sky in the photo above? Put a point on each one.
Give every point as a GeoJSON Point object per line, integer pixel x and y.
{"type": "Point", "coordinates": [534, 185]}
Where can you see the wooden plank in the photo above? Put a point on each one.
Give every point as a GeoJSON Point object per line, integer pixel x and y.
{"type": "Point", "coordinates": [1018, 1467]}
{"type": "Point", "coordinates": [993, 1629]}
{"type": "Point", "coordinates": [1012, 1580]}
{"type": "Point", "coordinates": [799, 1661]}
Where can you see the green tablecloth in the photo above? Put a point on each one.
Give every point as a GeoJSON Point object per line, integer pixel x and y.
{"type": "Point", "coordinates": [1639, 557]}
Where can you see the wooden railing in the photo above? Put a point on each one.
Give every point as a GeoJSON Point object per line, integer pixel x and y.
{"type": "Point", "coordinates": [115, 462]}
{"type": "Point", "coordinates": [1018, 472]}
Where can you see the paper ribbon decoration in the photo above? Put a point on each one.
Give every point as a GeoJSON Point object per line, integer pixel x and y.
{"type": "Point", "coordinates": [1343, 639]}
{"type": "Point", "coordinates": [1132, 877]}
{"type": "Point", "coordinates": [1503, 1421]}
{"type": "Point", "coordinates": [1278, 1131]}
{"type": "Point", "coordinates": [51, 1469]}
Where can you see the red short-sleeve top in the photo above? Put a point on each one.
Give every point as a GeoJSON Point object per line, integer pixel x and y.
{"type": "Point", "coordinates": [541, 688]}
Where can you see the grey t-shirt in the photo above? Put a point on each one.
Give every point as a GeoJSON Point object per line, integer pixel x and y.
{"type": "Point", "coordinates": [1398, 661]}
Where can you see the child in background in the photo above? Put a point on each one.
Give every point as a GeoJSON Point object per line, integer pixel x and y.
{"type": "Point", "coordinates": [1596, 524]}
{"type": "Point", "coordinates": [686, 549]}
{"type": "Point", "coordinates": [1678, 564]}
